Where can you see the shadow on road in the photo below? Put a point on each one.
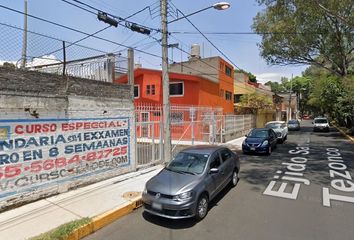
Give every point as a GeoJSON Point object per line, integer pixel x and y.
{"type": "Point", "coordinates": [184, 223]}
{"type": "Point", "coordinates": [258, 170]}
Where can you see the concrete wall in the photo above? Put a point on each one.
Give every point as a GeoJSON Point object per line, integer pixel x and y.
{"type": "Point", "coordinates": [206, 67]}
{"type": "Point", "coordinates": [57, 133]}
{"type": "Point", "coordinates": [264, 116]}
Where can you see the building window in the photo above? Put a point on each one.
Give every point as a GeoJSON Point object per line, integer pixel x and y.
{"type": "Point", "coordinates": [153, 89]}
{"type": "Point", "coordinates": [176, 89]}
{"type": "Point", "coordinates": [237, 98]}
{"type": "Point", "coordinates": [136, 91]}
{"type": "Point", "coordinates": [228, 71]}
{"type": "Point", "coordinates": [148, 91]}
{"type": "Point", "coordinates": [228, 96]}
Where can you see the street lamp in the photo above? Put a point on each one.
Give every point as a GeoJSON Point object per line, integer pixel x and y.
{"type": "Point", "coordinates": [221, 5]}
{"type": "Point", "coordinates": [217, 6]}
{"type": "Point", "coordinates": [167, 155]}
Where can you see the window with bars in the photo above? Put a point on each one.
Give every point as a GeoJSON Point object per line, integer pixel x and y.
{"type": "Point", "coordinates": [176, 89]}
{"type": "Point", "coordinates": [136, 91]}
{"type": "Point", "coordinates": [228, 96]}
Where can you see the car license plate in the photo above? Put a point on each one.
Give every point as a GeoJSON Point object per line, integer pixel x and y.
{"type": "Point", "coordinates": [156, 206]}
{"type": "Point", "coordinates": [253, 148]}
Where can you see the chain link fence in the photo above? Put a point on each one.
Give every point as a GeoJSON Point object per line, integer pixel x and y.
{"type": "Point", "coordinates": [53, 55]}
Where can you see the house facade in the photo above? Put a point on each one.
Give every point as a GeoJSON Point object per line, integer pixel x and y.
{"type": "Point", "coordinates": [219, 75]}
{"type": "Point", "coordinates": [185, 89]}
{"type": "Point", "coordinates": [191, 97]}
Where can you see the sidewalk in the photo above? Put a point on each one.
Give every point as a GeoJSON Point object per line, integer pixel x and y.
{"type": "Point", "coordinates": [41, 216]}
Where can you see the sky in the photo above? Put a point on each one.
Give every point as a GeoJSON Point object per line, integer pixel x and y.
{"type": "Point", "coordinates": [241, 49]}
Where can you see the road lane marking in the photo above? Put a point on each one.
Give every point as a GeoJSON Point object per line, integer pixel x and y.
{"type": "Point", "coordinates": [293, 174]}
{"type": "Point", "coordinates": [341, 179]}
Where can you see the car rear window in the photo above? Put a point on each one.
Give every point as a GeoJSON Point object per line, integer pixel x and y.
{"type": "Point", "coordinates": [258, 133]}
{"type": "Point", "coordinates": [273, 125]}
{"type": "Point", "coordinates": [292, 121]}
{"type": "Point", "coordinates": [321, 120]}
{"type": "Point", "coordinates": [188, 162]}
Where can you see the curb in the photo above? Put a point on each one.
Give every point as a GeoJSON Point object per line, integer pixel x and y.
{"type": "Point", "coordinates": [104, 219]}
{"type": "Point", "coordinates": [340, 130]}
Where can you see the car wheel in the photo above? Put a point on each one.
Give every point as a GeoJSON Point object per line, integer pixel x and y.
{"type": "Point", "coordinates": [202, 207]}
{"type": "Point", "coordinates": [234, 178]}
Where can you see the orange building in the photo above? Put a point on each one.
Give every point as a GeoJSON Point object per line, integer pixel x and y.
{"type": "Point", "coordinates": [185, 89]}
{"type": "Point", "coordinates": [218, 74]}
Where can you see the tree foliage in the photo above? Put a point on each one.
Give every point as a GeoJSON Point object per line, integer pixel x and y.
{"type": "Point", "coordinates": [250, 75]}
{"type": "Point", "coordinates": [256, 101]}
{"type": "Point", "coordinates": [311, 32]}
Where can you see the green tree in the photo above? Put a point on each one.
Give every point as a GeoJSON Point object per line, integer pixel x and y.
{"type": "Point", "coordinates": [256, 101]}
{"type": "Point", "coordinates": [275, 86]}
{"type": "Point", "coordinates": [250, 75]}
{"type": "Point", "coordinates": [306, 32]}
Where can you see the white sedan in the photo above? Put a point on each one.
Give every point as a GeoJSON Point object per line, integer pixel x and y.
{"type": "Point", "coordinates": [280, 128]}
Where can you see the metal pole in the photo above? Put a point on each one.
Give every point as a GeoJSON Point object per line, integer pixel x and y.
{"type": "Point", "coordinates": [165, 84]}
{"type": "Point", "coordinates": [131, 83]}
{"type": "Point", "coordinates": [64, 58]}
{"type": "Point", "coordinates": [24, 40]}
{"type": "Point", "coordinates": [131, 71]}
{"type": "Point", "coordinates": [291, 89]}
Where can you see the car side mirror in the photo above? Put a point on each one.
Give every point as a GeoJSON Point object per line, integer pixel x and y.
{"type": "Point", "coordinates": [213, 170]}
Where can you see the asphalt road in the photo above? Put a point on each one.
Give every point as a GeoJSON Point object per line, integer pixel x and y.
{"type": "Point", "coordinates": [312, 198]}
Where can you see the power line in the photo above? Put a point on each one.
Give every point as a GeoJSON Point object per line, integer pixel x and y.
{"type": "Point", "coordinates": [114, 16]}
{"type": "Point", "coordinates": [50, 37]}
{"type": "Point", "coordinates": [94, 13]}
{"type": "Point", "coordinates": [76, 30]}
{"type": "Point", "coordinates": [79, 40]}
{"type": "Point", "coordinates": [245, 33]}
{"type": "Point", "coordinates": [75, 5]}
{"type": "Point", "coordinates": [206, 38]}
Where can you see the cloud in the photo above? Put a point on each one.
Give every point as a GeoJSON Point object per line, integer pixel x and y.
{"type": "Point", "coordinates": [43, 60]}
{"type": "Point", "coordinates": [265, 77]}
{"type": "Point", "coordinates": [4, 61]}
{"type": "Point", "coordinates": [272, 76]}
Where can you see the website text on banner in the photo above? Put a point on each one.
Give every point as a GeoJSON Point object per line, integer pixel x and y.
{"type": "Point", "coordinates": [37, 153]}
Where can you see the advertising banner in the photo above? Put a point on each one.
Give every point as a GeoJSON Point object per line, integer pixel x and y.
{"type": "Point", "coordinates": [37, 153]}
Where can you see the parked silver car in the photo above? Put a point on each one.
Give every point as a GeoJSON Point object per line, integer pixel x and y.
{"type": "Point", "coordinates": [279, 128]}
{"type": "Point", "coordinates": [186, 185]}
{"type": "Point", "coordinates": [320, 124]}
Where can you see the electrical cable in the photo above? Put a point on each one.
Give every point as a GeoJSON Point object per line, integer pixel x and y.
{"type": "Point", "coordinates": [244, 33]}
{"type": "Point", "coordinates": [75, 30]}
{"type": "Point", "coordinates": [208, 39]}
{"type": "Point", "coordinates": [114, 16]}
{"type": "Point", "coordinates": [50, 37]}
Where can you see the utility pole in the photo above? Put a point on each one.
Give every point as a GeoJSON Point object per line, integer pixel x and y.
{"type": "Point", "coordinates": [131, 82]}
{"type": "Point", "coordinates": [165, 84]}
{"type": "Point", "coordinates": [24, 40]}
{"type": "Point", "coordinates": [131, 71]}
{"type": "Point", "coordinates": [291, 89]}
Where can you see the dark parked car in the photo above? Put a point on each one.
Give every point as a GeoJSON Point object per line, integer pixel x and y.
{"type": "Point", "coordinates": [294, 124]}
{"type": "Point", "coordinates": [186, 185]}
{"type": "Point", "coordinates": [260, 140]}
